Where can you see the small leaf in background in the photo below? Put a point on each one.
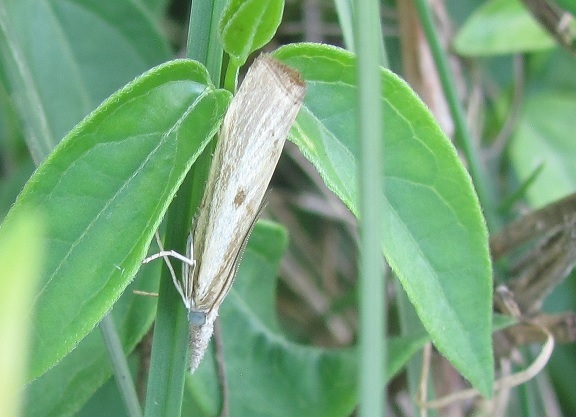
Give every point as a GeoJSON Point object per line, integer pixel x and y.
{"type": "Point", "coordinates": [265, 371]}
{"type": "Point", "coordinates": [435, 237]}
{"type": "Point", "coordinates": [540, 139]}
{"type": "Point", "coordinates": [247, 25]}
{"type": "Point", "coordinates": [501, 27]}
{"type": "Point", "coordinates": [104, 191]}
{"type": "Point", "coordinates": [57, 71]}
{"type": "Point", "coordinates": [21, 257]}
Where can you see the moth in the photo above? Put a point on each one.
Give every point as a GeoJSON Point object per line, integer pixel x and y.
{"type": "Point", "coordinates": [249, 145]}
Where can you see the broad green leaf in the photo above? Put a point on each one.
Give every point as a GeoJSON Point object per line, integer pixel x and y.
{"type": "Point", "coordinates": [104, 190]}
{"type": "Point", "coordinates": [62, 58]}
{"type": "Point", "coordinates": [64, 389]}
{"type": "Point", "coordinates": [247, 25]}
{"type": "Point", "coordinates": [21, 256]}
{"type": "Point", "coordinates": [542, 137]}
{"type": "Point", "coordinates": [265, 371]}
{"type": "Point", "coordinates": [501, 27]}
{"type": "Point", "coordinates": [434, 238]}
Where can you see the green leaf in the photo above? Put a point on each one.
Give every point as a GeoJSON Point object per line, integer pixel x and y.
{"type": "Point", "coordinates": [58, 71]}
{"type": "Point", "coordinates": [562, 362]}
{"type": "Point", "coordinates": [551, 70]}
{"type": "Point", "coordinates": [544, 141]}
{"type": "Point", "coordinates": [247, 25]}
{"type": "Point", "coordinates": [568, 5]}
{"type": "Point", "coordinates": [104, 191]}
{"type": "Point", "coordinates": [107, 401]}
{"type": "Point", "coordinates": [157, 7]}
{"type": "Point", "coordinates": [265, 371]}
{"type": "Point", "coordinates": [501, 27]}
{"type": "Point", "coordinates": [501, 321]}
{"type": "Point", "coordinates": [435, 238]}
{"type": "Point", "coordinates": [66, 387]}
{"type": "Point", "coordinates": [21, 256]}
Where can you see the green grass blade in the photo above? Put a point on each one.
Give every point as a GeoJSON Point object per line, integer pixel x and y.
{"type": "Point", "coordinates": [372, 279]}
{"type": "Point", "coordinates": [21, 256]}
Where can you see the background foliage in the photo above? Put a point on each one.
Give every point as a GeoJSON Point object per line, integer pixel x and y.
{"type": "Point", "coordinates": [288, 345]}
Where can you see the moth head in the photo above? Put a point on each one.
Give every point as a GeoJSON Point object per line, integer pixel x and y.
{"type": "Point", "coordinates": [196, 318]}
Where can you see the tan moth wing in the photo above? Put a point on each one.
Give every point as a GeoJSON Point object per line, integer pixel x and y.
{"type": "Point", "coordinates": [249, 145]}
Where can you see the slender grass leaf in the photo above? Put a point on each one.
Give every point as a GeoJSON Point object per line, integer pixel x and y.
{"type": "Point", "coordinates": [21, 256]}
{"type": "Point", "coordinates": [435, 237]}
{"type": "Point", "coordinates": [104, 190]}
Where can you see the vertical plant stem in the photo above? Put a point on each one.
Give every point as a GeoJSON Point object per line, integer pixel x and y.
{"type": "Point", "coordinates": [203, 42]}
{"type": "Point", "coordinates": [169, 364]}
{"type": "Point", "coordinates": [344, 11]}
{"type": "Point", "coordinates": [372, 349]}
{"type": "Point", "coordinates": [463, 136]}
{"type": "Point", "coordinates": [204, 46]}
{"type": "Point", "coordinates": [231, 78]}
{"type": "Point", "coordinates": [120, 366]}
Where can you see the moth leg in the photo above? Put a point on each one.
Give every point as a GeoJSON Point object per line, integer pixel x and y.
{"type": "Point", "coordinates": [166, 254]}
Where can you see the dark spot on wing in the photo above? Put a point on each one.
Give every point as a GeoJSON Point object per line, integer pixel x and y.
{"type": "Point", "coordinates": [240, 197]}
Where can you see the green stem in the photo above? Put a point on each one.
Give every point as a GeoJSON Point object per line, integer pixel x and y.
{"type": "Point", "coordinates": [120, 366]}
{"type": "Point", "coordinates": [203, 42]}
{"type": "Point", "coordinates": [372, 332]}
{"type": "Point", "coordinates": [231, 80]}
{"type": "Point", "coordinates": [169, 364]}
{"type": "Point", "coordinates": [463, 137]}
{"type": "Point", "coordinates": [344, 11]}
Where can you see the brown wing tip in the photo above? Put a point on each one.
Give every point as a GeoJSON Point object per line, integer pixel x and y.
{"type": "Point", "coordinates": [285, 76]}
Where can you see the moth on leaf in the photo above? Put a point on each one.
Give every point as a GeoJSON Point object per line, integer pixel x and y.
{"type": "Point", "coordinates": [249, 145]}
